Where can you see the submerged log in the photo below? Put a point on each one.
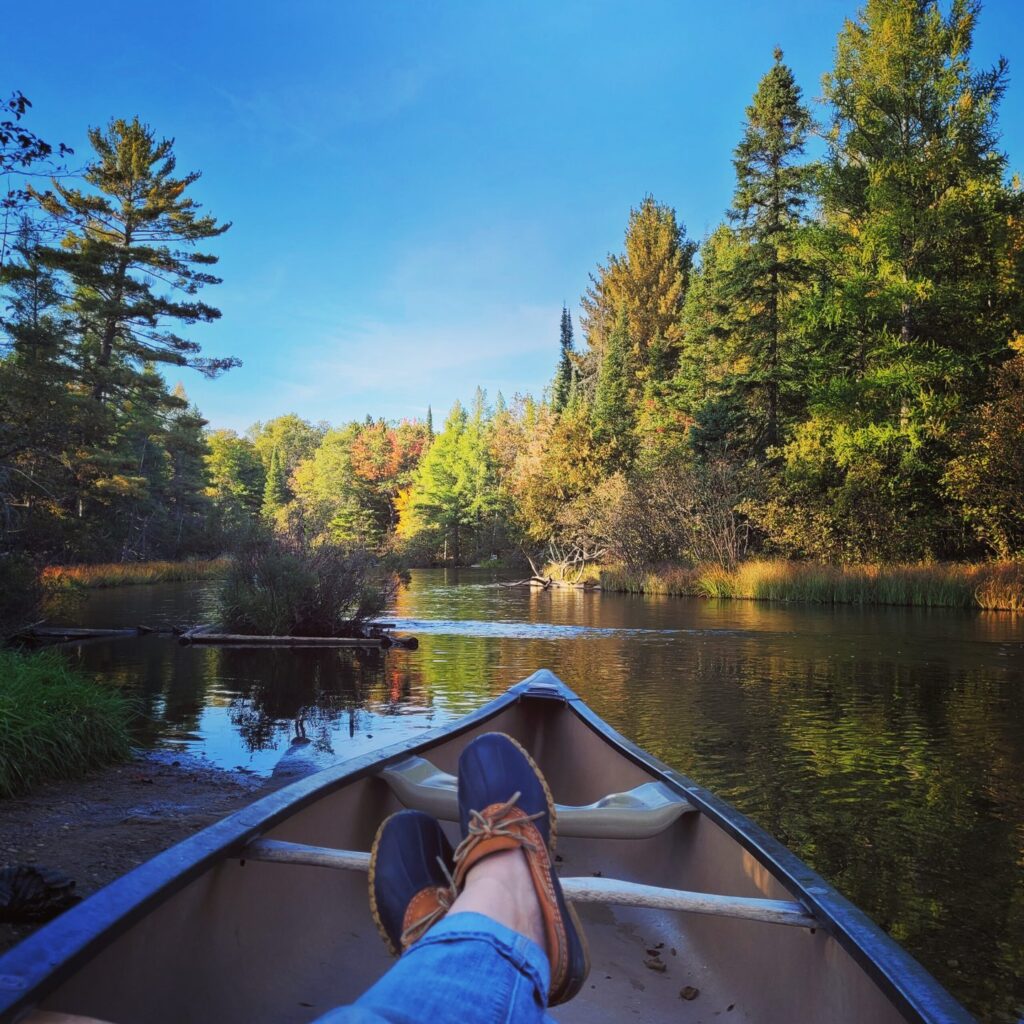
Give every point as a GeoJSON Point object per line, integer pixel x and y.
{"type": "Point", "coordinates": [242, 640]}
{"type": "Point", "coordinates": [66, 634]}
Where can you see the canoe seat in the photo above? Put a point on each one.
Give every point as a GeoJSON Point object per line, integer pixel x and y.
{"type": "Point", "coordinates": [636, 814]}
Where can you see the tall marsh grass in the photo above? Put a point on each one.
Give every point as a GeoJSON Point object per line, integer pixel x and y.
{"type": "Point", "coordinates": [119, 574]}
{"type": "Point", "coordinates": [990, 585]}
{"type": "Point", "coordinates": [55, 723]}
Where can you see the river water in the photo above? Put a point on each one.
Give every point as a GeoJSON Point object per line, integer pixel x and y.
{"type": "Point", "coordinates": [884, 746]}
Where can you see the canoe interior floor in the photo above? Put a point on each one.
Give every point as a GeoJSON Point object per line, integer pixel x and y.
{"type": "Point", "coordinates": [623, 941]}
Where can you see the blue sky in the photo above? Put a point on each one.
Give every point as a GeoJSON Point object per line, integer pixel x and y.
{"type": "Point", "coordinates": [416, 187]}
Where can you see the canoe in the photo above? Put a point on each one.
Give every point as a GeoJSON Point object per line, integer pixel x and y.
{"type": "Point", "coordinates": [690, 909]}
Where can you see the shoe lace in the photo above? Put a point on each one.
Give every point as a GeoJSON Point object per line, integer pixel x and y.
{"type": "Point", "coordinates": [445, 899]}
{"type": "Point", "coordinates": [501, 823]}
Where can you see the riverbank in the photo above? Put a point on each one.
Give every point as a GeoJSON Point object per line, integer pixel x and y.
{"type": "Point", "coordinates": [119, 574]}
{"type": "Point", "coordinates": [986, 585]}
{"type": "Point", "coordinates": [96, 828]}
{"type": "Point", "coordinates": [57, 722]}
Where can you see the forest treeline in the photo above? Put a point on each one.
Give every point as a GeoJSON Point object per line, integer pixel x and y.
{"type": "Point", "coordinates": [836, 372]}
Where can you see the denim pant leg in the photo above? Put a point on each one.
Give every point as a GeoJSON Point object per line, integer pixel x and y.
{"type": "Point", "coordinates": [466, 968]}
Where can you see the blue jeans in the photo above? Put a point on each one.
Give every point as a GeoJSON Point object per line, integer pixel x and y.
{"type": "Point", "coordinates": [466, 968]}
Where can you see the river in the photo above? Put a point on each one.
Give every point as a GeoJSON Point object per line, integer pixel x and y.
{"type": "Point", "coordinates": [884, 746]}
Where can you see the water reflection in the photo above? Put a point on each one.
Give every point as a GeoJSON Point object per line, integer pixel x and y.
{"type": "Point", "coordinates": [886, 747]}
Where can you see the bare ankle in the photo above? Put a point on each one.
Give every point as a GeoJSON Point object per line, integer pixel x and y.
{"type": "Point", "coordinates": [501, 887]}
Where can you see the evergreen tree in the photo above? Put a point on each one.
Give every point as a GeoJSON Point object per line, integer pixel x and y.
{"type": "Point", "coordinates": [772, 190]}
{"type": "Point", "coordinates": [430, 424]}
{"type": "Point", "coordinates": [38, 409]}
{"type": "Point", "coordinates": [133, 232]}
{"type": "Point", "coordinates": [184, 504]}
{"type": "Point", "coordinates": [565, 375]}
{"type": "Point", "coordinates": [275, 491]}
{"type": "Point", "coordinates": [913, 191]}
{"type": "Point", "coordinates": [913, 311]}
{"type": "Point", "coordinates": [613, 412]}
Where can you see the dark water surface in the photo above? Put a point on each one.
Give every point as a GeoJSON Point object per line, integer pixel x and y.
{"type": "Point", "coordinates": [884, 746]}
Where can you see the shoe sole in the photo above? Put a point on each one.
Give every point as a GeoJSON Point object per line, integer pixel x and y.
{"type": "Point", "coordinates": [374, 912]}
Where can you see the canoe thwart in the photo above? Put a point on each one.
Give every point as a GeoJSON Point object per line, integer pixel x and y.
{"type": "Point", "coordinates": [636, 814]}
{"type": "Point", "coordinates": [579, 890]}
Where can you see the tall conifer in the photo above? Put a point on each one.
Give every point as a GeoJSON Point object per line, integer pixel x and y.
{"type": "Point", "coordinates": [772, 190]}
{"type": "Point", "coordinates": [566, 373]}
{"type": "Point", "coordinates": [275, 491]}
{"type": "Point", "coordinates": [128, 249]}
{"type": "Point", "coordinates": [613, 418]}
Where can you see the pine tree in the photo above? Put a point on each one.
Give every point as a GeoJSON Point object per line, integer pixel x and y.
{"type": "Point", "coordinates": [38, 409]}
{"type": "Point", "coordinates": [613, 412]}
{"type": "Point", "coordinates": [130, 235]}
{"type": "Point", "coordinates": [565, 375]}
{"type": "Point", "coordinates": [430, 424]}
{"type": "Point", "coordinates": [772, 191]}
{"type": "Point", "coordinates": [921, 283]}
{"type": "Point", "coordinates": [275, 491]}
{"type": "Point", "coordinates": [914, 195]}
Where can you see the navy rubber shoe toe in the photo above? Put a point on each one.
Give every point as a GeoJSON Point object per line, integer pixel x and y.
{"type": "Point", "coordinates": [411, 885]}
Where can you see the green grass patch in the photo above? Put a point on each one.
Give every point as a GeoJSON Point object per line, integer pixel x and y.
{"type": "Point", "coordinates": [119, 574]}
{"type": "Point", "coordinates": [989, 585]}
{"type": "Point", "coordinates": [55, 722]}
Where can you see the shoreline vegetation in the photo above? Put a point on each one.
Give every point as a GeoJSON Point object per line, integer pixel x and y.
{"type": "Point", "coordinates": [992, 586]}
{"type": "Point", "coordinates": [56, 722]}
{"type": "Point", "coordinates": [121, 574]}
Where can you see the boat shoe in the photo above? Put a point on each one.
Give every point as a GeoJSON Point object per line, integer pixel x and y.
{"type": "Point", "coordinates": [505, 804]}
{"type": "Point", "coordinates": [411, 886]}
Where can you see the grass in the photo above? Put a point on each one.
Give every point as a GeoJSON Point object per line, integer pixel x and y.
{"type": "Point", "coordinates": [55, 722]}
{"type": "Point", "coordinates": [119, 574]}
{"type": "Point", "coordinates": [989, 585]}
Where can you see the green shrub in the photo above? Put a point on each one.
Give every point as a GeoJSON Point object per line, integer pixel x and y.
{"type": "Point", "coordinates": [55, 723]}
{"type": "Point", "coordinates": [289, 586]}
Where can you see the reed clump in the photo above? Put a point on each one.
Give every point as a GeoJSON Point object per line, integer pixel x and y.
{"type": "Point", "coordinates": [989, 585]}
{"type": "Point", "coordinates": [120, 574]}
{"type": "Point", "coordinates": [55, 722]}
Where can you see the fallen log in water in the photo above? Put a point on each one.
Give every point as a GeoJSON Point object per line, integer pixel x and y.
{"type": "Point", "coordinates": [548, 583]}
{"type": "Point", "coordinates": [68, 634]}
{"type": "Point", "coordinates": [242, 640]}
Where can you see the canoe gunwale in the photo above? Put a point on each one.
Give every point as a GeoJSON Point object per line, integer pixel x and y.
{"type": "Point", "coordinates": [906, 982]}
{"type": "Point", "coordinates": [33, 969]}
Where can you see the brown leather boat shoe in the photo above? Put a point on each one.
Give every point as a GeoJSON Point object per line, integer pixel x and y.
{"type": "Point", "coordinates": [505, 804]}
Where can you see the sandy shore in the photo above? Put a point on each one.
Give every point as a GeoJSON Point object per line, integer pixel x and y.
{"type": "Point", "coordinates": [101, 826]}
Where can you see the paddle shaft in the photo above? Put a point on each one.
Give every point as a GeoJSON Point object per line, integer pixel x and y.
{"type": "Point", "coordinates": [579, 890]}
